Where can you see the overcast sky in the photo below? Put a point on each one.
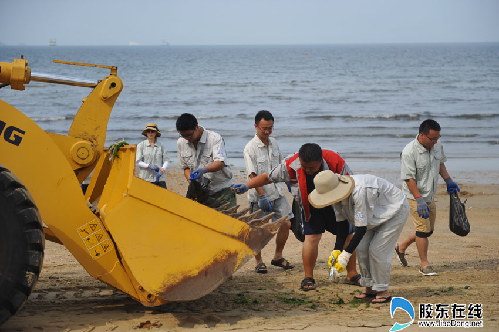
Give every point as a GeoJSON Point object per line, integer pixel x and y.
{"type": "Point", "coordinates": [251, 22]}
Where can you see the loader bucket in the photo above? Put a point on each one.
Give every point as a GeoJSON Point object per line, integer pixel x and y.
{"type": "Point", "coordinates": [173, 248]}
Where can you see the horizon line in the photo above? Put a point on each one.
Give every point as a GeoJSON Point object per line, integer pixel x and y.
{"type": "Point", "coordinates": [298, 44]}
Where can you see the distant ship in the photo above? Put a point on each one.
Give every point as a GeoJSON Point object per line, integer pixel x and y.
{"type": "Point", "coordinates": [52, 42]}
{"type": "Point", "coordinates": [165, 43]}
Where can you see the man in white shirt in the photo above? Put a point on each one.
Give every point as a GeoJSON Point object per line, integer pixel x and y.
{"type": "Point", "coordinates": [261, 154]}
{"type": "Point", "coordinates": [378, 210]}
{"type": "Point", "coordinates": [422, 161]}
{"type": "Point", "coordinates": [201, 153]}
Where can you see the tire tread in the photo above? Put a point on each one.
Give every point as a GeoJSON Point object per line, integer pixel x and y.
{"type": "Point", "coordinates": [27, 214]}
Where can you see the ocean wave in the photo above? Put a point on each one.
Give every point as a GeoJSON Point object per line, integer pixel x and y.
{"type": "Point", "coordinates": [341, 135]}
{"type": "Point", "coordinates": [52, 118]}
{"type": "Point", "coordinates": [390, 117]}
{"type": "Point", "coordinates": [226, 102]}
{"type": "Point", "coordinates": [365, 132]}
{"type": "Point", "coordinates": [476, 116]}
{"type": "Point", "coordinates": [173, 117]}
{"type": "Point", "coordinates": [239, 136]}
{"type": "Point", "coordinates": [378, 90]}
{"type": "Point", "coordinates": [129, 140]}
{"type": "Point", "coordinates": [409, 116]}
{"type": "Point", "coordinates": [280, 97]}
{"type": "Point", "coordinates": [124, 130]}
{"type": "Point", "coordinates": [204, 117]}
{"type": "Point", "coordinates": [155, 117]}
{"type": "Point", "coordinates": [215, 84]}
{"type": "Point", "coordinates": [138, 130]}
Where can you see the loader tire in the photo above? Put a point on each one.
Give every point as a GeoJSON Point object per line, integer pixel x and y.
{"type": "Point", "coordinates": [21, 244]}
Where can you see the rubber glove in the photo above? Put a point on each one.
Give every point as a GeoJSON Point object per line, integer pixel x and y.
{"type": "Point", "coordinates": [157, 177]}
{"type": "Point", "coordinates": [452, 187]}
{"type": "Point", "coordinates": [423, 208]}
{"type": "Point", "coordinates": [154, 167]}
{"type": "Point", "coordinates": [333, 258]}
{"type": "Point", "coordinates": [198, 172]}
{"type": "Point", "coordinates": [240, 188]}
{"type": "Point", "coordinates": [342, 261]}
{"type": "Point", "coordinates": [288, 184]}
{"type": "Point", "coordinates": [264, 203]}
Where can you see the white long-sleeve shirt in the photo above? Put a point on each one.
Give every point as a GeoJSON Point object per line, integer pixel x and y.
{"type": "Point", "coordinates": [373, 201]}
{"type": "Point", "coordinates": [150, 156]}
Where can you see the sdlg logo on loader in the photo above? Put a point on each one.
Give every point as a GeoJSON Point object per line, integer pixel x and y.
{"type": "Point", "coordinates": [11, 134]}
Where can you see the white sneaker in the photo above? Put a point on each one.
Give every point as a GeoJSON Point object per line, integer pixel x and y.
{"type": "Point", "coordinates": [428, 271]}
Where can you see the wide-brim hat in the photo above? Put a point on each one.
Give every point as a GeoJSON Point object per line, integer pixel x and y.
{"type": "Point", "coordinates": [330, 188]}
{"type": "Point", "coordinates": [151, 126]}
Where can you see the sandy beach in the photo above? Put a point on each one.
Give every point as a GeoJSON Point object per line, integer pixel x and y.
{"type": "Point", "coordinates": [66, 298]}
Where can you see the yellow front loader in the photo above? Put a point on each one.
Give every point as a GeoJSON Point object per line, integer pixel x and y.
{"type": "Point", "coordinates": [148, 242]}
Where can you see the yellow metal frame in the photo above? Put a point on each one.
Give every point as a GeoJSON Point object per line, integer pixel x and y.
{"type": "Point", "coordinates": [16, 73]}
{"type": "Point", "coordinates": [148, 242]}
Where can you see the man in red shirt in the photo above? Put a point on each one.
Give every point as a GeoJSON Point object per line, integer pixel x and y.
{"type": "Point", "coordinates": [299, 170]}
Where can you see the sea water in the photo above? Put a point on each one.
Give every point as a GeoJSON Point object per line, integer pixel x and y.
{"type": "Point", "coordinates": [364, 101]}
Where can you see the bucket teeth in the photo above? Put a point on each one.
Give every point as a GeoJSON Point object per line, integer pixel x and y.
{"type": "Point", "coordinates": [240, 213]}
{"type": "Point", "coordinates": [261, 221]}
{"type": "Point", "coordinates": [250, 217]}
{"type": "Point", "coordinates": [220, 207]}
{"type": "Point", "coordinates": [273, 227]}
{"type": "Point", "coordinates": [231, 210]}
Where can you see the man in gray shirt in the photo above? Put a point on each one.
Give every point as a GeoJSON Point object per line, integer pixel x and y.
{"type": "Point", "coordinates": [201, 153]}
{"type": "Point", "coordinates": [422, 161]}
{"type": "Point", "coordinates": [261, 155]}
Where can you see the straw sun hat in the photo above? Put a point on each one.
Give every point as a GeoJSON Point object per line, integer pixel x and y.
{"type": "Point", "coordinates": [152, 126]}
{"type": "Point", "coordinates": [330, 188]}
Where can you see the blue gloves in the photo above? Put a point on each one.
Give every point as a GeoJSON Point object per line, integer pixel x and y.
{"type": "Point", "coordinates": [264, 203]}
{"type": "Point", "coordinates": [157, 177]}
{"type": "Point", "coordinates": [423, 208]}
{"type": "Point", "coordinates": [288, 184]}
{"type": "Point", "coordinates": [198, 172]}
{"type": "Point", "coordinates": [240, 188]}
{"type": "Point", "coordinates": [452, 187]}
{"type": "Point", "coordinates": [154, 167]}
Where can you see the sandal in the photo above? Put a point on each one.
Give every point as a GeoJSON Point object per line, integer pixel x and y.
{"type": "Point", "coordinates": [383, 299]}
{"type": "Point", "coordinates": [308, 284]}
{"type": "Point", "coordinates": [261, 268]}
{"type": "Point", "coordinates": [355, 280]}
{"type": "Point", "coordinates": [365, 295]}
{"type": "Point", "coordinates": [400, 256]}
{"type": "Point", "coordinates": [282, 262]}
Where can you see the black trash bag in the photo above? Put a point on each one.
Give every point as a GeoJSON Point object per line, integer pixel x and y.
{"type": "Point", "coordinates": [198, 190]}
{"type": "Point", "coordinates": [297, 222]}
{"type": "Point", "coordinates": [458, 222]}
